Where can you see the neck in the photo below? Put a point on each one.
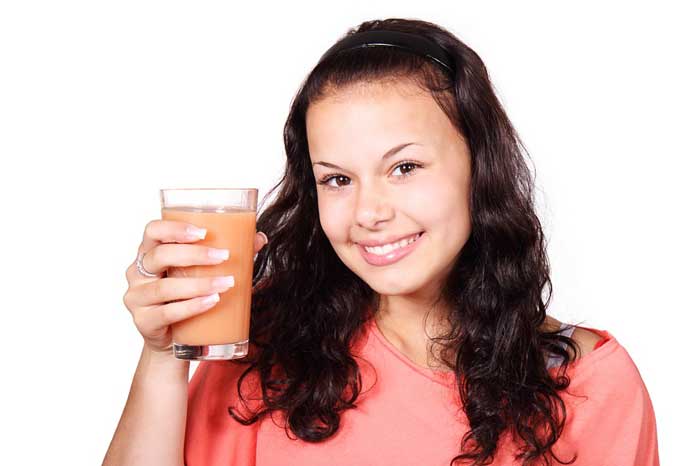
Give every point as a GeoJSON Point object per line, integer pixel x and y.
{"type": "Point", "coordinates": [409, 324]}
{"type": "Point", "coordinates": [409, 317]}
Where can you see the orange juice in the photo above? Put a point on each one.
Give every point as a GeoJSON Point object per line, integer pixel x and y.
{"type": "Point", "coordinates": [228, 322]}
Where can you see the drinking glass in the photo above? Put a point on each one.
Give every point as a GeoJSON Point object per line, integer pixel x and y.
{"type": "Point", "coordinates": [229, 215]}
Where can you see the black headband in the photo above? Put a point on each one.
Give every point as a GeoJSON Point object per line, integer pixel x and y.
{"type": "Point", "coordinates": [407, 41]}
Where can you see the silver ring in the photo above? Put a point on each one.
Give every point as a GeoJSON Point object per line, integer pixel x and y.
{"type": "Point", "coordinates": [141, 269]}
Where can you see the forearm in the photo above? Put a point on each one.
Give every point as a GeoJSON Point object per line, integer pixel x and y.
{"type": "Point", "coordinates": [151, 430]}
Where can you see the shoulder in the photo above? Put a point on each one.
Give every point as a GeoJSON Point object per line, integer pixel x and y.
{"type": "Point", "coordinates": [215, 383]}
{"type": "Point", "coordinates": [585, 339]}
{"type": "Point", "coordinates": [212, 436]}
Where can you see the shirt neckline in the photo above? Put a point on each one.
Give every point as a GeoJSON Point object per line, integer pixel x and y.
{"type": "Point", "coordinates": [445, 378]}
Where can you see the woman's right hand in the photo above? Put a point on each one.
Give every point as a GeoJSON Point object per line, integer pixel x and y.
{"type": "Point", "coordinates": [157, 302]}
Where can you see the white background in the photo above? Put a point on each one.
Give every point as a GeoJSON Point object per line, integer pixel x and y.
{"type": "Point", "coordinates": [103, 103]}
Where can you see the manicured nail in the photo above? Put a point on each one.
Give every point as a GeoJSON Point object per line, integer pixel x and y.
{"type": "Point", "coordinates": [223, 282]}
{"type": "Point", "coordinates": [196, 232]}
{"type": "Point", "coordinates": [211, 299]}
{"type": "Point", "coordinates": [264, 236]}
{"type": "Point", "coordinates": [218, 254]}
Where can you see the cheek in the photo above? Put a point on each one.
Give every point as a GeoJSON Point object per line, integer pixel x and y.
{"type": "Point", "coordinates": [435, 198]}
{"type": "Point", "coordinates": [334, 221]}
{"type": "Point", "coordinates": [441, 204]}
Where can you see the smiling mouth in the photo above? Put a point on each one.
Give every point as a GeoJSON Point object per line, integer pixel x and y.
{"type": "Point", "coordinates": [390, 254]}
{"type": "Point", "coordinates": [390, 247]}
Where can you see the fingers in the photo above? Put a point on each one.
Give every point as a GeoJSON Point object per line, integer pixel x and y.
{"type": "Point", "coordinates": [152, 322]}
{"type": "Point", "coordinates": [167, 255]}
{"type": "Point", "coordinates": [169, 289]}
{"type": "Point", "coordinates": [162, 250]}
{"type": "Point", "coordinates": [158, 302]}
{"type": "Point", "coordinates": [169, 231]}
{"type": "Point", "coordinates": [158, 232]}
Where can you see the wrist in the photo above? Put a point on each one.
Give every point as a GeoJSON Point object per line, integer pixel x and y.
{"type": "Point", "coordinates": [164, 359]}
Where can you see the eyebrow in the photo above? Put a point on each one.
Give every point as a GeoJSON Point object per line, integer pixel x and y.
{"type": "Point", "coordinates": [390, 153]}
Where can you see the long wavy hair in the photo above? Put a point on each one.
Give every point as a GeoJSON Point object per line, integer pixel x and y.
{"type": "Point", "coordinates": [308, 308]}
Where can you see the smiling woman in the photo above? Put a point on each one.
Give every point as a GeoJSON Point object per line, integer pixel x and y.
{"type": "Point", "coordinates": [399, 308]}
{"type": "Point", "coordinates": [377, 204]}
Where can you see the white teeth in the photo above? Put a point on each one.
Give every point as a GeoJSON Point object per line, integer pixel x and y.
{"type": "Point", "coordinates": [387, 248]}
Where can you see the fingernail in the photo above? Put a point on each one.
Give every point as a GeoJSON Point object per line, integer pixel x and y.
{"type": "Point", "coordinates": [212, 298]}
{"type": "Point", "coordinates": [224, 282]}
{"type": "Point", "coordinates": [264, 236]}
{"type": "Point", "coordinates": [196, 232]}
{"type": "Point", "coordinates": [218, 254]}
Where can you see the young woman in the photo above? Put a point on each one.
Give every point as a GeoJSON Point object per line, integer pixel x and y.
{"type": "Point", "coordinates": [398, 314]}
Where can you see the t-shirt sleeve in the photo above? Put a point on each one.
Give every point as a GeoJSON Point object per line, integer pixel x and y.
{"type": "Point", "coordinates": [212, 436]}
{"type": "Point", "coordinates": [612, 416]}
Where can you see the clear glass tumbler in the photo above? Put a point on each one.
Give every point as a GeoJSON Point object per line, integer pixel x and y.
{"type": "Point", "coordinates": [229, 215]}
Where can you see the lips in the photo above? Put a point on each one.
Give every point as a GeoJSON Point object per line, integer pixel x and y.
{"type": "Point", "coordinates": [392, 256]}
{"type": "Point", "coordinates": [391, 240]}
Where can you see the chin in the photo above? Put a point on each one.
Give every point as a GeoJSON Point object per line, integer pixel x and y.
{"type": "Point", "coordinates": [392, 283]}
{"type": "Point", "coordinates": [389, 290]}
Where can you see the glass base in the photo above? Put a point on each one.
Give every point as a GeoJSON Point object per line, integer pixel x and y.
{"type": "Point", "coordinates": [211, 352]}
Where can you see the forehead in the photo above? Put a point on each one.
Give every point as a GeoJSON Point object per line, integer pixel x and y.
{"type": "Point", "coordinates": [373, 113]}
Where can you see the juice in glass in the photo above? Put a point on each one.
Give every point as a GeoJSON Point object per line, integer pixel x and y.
{"type": "Point", "coordinates": [229, 216]}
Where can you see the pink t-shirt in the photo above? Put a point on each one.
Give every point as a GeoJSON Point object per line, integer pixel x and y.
{"type": "Point", "coordinates": [410, 415]}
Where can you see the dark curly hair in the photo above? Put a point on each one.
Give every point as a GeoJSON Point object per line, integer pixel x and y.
{"type": "Point", "coordinates": [308, 308]}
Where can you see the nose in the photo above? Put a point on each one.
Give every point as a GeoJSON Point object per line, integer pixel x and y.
{"type": "Point", "coordinates": [372, 207]}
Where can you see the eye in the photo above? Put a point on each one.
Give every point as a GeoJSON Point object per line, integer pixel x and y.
{"type": "Point", "coordinates": [328, 178]}
{"type": "Point", "coordinates": [406, 164]}
{"type": "Point", "coordinates": [409, 168]}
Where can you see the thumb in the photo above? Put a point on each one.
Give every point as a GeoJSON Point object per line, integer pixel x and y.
{"type": "Point", "coordinates": [260, 240]}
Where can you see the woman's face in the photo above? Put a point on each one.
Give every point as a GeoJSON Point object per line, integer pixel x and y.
{"type": "Point", "coordinates": [400, 168]}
